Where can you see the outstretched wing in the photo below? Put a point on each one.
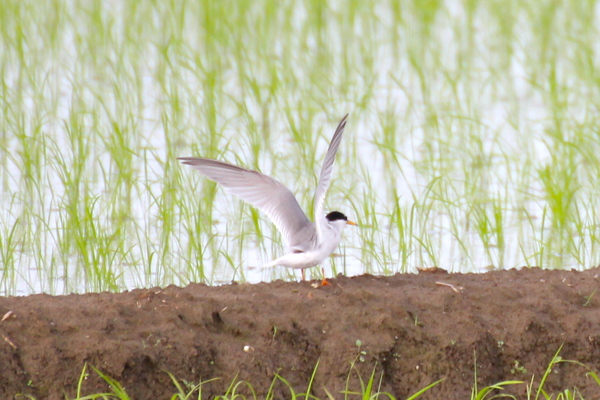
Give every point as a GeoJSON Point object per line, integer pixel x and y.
{"type": "Point", "coordinates": [325, 177]}
{"type": "Point", "coordinates": [259, 190]}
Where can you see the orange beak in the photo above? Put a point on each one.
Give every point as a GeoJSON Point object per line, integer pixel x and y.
{"type": "Point", "coordinates": [351, 223]}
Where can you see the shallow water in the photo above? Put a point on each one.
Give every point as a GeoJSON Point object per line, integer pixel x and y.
{"type": "Point", "coordinates": [486, 150]}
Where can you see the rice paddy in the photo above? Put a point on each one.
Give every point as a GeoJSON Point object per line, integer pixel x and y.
{"type": "Point", "coordinates": [473, 139]}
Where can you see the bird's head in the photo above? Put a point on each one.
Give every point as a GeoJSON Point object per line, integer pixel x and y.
{"type": "Point", "coordinates": [336, 218]}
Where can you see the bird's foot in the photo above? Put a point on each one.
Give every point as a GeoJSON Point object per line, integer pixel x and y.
{"type": "Point", "coordinates": [324, 282]}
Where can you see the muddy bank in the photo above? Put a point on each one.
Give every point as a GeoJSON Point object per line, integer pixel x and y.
{"type": "Point", "coordinates": [415, 329]}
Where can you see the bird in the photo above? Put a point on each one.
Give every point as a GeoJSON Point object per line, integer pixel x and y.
{"type": "Point", "coordinates": [308, 243]}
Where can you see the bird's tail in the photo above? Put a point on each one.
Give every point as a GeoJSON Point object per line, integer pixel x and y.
{"type": "Point", "coordinates": [272, 264]}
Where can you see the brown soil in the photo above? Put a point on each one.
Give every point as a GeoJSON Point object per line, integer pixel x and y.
{"type": "Point", "coordinates": [412, 330]}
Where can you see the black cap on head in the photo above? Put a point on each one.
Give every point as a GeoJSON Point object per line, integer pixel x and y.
{"type": "Point", "coordinates": [336, 215]}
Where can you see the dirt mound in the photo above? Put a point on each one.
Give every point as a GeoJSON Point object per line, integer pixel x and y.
{"type": "Point", "coordinates": [413, 329]}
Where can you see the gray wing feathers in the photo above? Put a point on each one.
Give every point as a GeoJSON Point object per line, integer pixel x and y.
{"type": "Point", "coordinates": [325, 177]}
{"type": "Point", "coordinates": [259, 190]}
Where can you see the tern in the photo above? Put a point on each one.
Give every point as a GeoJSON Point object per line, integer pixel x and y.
{"type": "Point", "coordinates": [308, 243]}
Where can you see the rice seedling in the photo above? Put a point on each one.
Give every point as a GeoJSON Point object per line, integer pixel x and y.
{"type": "Point", "coordinates": [491, 391]}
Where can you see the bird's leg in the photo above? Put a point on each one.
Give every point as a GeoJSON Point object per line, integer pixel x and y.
{"type": "Point", "coordinates": [303, 277]}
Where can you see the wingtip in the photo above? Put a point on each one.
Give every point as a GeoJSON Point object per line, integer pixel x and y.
{"type": "Point", "coordinates": [342, 123]}
{"type": "Point", "coordinates": [185, 160]}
